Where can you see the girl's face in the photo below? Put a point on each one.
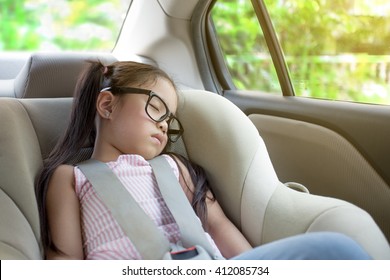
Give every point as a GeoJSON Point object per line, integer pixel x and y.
{"type": "Point", "coordinates": [132, 131]}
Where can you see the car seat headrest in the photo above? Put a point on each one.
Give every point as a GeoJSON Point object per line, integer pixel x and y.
{"type": "Point", "coordinates": [51, 74]}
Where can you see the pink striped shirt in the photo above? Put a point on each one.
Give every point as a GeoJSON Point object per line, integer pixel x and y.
{"type": "Point", "coordinates": [102, 236]}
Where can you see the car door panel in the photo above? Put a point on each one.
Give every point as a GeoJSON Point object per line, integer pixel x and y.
{"type": "Point", "coordinates": [337, 149]}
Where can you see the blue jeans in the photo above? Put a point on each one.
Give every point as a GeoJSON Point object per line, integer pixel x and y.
{"type": "Point", "coordinates": [309, 246]}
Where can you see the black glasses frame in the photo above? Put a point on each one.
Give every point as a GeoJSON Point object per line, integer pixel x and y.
{"type": "Point", "coordinates": [173, 134]}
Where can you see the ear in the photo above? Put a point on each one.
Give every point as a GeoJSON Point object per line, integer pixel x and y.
{"type": "Point", "coordinates": [105, 104]}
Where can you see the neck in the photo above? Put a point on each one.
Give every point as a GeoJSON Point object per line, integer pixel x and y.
{"type": "Point", "coordinates": [104, 152]}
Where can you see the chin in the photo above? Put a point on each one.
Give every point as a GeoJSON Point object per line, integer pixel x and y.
{"type": "Point", "coordinates": [151, 155]}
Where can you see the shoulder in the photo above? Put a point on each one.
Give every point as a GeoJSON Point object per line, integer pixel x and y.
{"type": "Point", "coordinates": [176, 162]}
{"type": "Point", "coordinates": [185, 178]}
{"type": "Point", "coordinates": [181, 163]}
{"type": "Point", "coordinates": [63, 173]}
{"type": "Point", "coordinates": [62, 180]}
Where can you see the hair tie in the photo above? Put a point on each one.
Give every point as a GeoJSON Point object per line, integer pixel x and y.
{"type": "Point", "coordinates": [105, 78]}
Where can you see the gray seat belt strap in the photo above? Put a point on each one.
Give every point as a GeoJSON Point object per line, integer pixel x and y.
{"type": "Point", "coordinates": [189, 224]}
{"type": "Point", "coordinates": [142, 231]}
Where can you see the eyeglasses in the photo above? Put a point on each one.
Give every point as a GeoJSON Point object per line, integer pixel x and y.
{"type": "Point", "coordinates": [156, 109]}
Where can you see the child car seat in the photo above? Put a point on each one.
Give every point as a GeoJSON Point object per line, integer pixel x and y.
{"type": "Point", "coordinates": [246, 185]}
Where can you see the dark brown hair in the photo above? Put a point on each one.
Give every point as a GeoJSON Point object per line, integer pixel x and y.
{"type": "Point", "coordinates": [81, 130]}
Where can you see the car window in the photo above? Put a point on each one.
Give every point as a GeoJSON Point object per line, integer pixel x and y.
{"type": "Point", "coordinates": [39, 25]}
{"type": "Point", "coordinates": [334, 50]}
{"type": "Point", "coordinates": [243, 46]}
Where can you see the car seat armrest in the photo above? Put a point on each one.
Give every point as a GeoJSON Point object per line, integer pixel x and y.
{"type": "Point", "coordinates": [290, 212]}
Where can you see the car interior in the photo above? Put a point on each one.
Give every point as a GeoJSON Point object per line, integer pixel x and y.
{"type": "Point", "coordinates": [250, 156]}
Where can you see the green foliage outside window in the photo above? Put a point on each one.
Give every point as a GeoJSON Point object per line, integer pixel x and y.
{"type": "Point", "coordinates": [333, 49]}
{"type": "Point", "coordinates": [28, 25]}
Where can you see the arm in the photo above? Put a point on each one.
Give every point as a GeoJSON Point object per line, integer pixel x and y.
{"type": "Point", "coordinates": [227, 237]}
{"type": "Point", "coordinates": [225, 234]}
{"type": "Point", "coordinates": [63, 212]}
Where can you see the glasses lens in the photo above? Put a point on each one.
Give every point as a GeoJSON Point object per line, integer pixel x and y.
{"type": "Point", "coordinates": [175, 129]}
{"type": "Point", "coordinates": [156, 108]}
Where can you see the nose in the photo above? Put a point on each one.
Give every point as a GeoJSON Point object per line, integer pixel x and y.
{"type": "Point", "coordinates": [163, 125]}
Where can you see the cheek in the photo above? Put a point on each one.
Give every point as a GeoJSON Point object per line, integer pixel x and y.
{"type": "Point", "coordinates": [130, 113]}
{"type": "Point", "coordinates": [131, 124]}
{"type": "Point", "coordinates": [131, 121]}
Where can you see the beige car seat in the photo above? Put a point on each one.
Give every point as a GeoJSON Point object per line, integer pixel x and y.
{"type": "Point", "coordinates": [234, 157]}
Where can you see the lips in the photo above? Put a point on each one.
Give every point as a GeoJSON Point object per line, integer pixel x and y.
{"type": "Point", "coordinates": [159, 138]}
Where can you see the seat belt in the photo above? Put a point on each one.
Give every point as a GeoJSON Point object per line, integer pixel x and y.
{"type": "Point", "coordinates": [124, 209]}
{"type": "Point", "coordinates": [142, 231]}
{"type": "Point", "coordinates": [189, 224]}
